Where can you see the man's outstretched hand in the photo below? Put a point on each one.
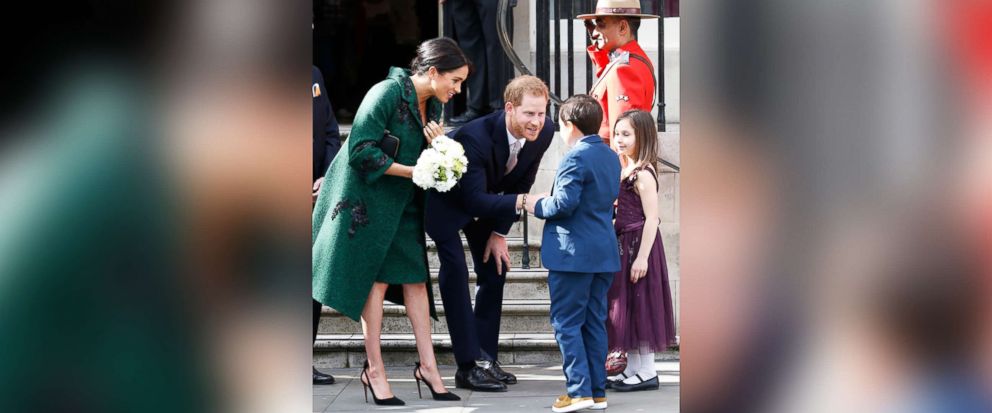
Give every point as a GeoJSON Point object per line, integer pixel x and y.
{"type": "Point", "coordinates": [532, 201]}
{"type": "Point", "coordinates": [496, 248]}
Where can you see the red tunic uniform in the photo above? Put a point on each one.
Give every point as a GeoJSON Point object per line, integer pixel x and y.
{"type": "Point", "coordinates": [628, 83]}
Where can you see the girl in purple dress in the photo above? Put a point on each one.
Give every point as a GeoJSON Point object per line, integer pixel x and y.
{"type": "Point", "coordinates": [641, 321]}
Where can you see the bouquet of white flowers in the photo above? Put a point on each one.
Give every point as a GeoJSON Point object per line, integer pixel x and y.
{"type": "Point", "coordinates": [441, 165]}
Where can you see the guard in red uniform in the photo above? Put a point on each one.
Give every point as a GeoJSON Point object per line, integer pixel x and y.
{"type": "Point", "coordinates": [625, 74]}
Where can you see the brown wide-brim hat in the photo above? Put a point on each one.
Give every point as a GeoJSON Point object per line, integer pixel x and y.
{"type": "Point", "coordinates": [620, 8]}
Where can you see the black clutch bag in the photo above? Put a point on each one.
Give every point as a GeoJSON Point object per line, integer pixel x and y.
{"type": "Point", "coordinates": [389, 144]}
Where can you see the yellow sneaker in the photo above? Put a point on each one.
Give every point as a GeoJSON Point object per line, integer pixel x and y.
{"type": "Point", "coordinates": [599, 403]}
{"type": "Point", "coordinates": [567, 404]}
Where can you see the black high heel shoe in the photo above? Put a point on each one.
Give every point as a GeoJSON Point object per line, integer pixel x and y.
{"type": "Point", "coordinates": [419, 377]}
{"type": "Point", "coordinates": [392, 401]}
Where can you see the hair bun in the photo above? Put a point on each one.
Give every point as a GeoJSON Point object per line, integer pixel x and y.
{"type": "Point", "coordinates": [441, 53]}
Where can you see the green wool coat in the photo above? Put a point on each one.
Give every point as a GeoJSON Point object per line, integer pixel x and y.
{"type": "Point", "coordinates": [358, 209]}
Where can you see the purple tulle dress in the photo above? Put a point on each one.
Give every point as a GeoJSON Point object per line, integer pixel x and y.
{"type": "Point", "coordinates": [640, 315]}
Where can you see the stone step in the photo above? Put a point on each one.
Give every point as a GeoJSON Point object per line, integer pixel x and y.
{"type": "Point", "coordinates": [519, 316]}
{"type": "Point", "coordinates": [520, 284]}
{"type": "Point", "coordinates": [348, 350]}
{"type": "Point", "coordinates": [514, 244]}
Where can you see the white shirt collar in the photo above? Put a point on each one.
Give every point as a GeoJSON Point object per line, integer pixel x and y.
{"type": "Point", "coordinates": [510, 139]}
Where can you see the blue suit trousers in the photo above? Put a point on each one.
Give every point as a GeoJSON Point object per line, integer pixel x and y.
{"type": "Point", "coordinates": [578, 315]}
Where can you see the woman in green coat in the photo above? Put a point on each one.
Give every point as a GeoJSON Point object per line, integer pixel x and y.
{"type": "Point", "coordinates": [368, 223]}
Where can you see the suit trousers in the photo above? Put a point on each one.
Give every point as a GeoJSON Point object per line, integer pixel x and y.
{"type": "Point", "coordinates": [475, 29]}
{"type": "Point", "coordinates": [316, 318]}
{"type": "Point", "coordinates": [578, 315]}
{"type": "Point", "coordinates": [474, 332]}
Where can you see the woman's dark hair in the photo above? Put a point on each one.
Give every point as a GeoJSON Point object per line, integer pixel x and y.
{"type": "Point", "coordinates": [442, 53]}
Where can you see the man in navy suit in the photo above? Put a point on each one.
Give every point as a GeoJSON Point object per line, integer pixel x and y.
{"type": "Point", "coordinates": [579, 248]}
{"type": "Point", "coordinates": [326, 143]}
{"type": "Point", "coordinates": [504, 150]}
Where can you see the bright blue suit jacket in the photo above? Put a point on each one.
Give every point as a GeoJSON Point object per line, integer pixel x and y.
{"type": "Point", "coordinates": [579, 234]}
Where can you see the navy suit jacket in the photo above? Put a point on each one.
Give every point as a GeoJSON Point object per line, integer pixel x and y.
{"type": "Point", "coordinates": [326, 138]}
{"type": "Point", "coordinates": [484, 191]}
{"type": "Point", "coordinates": [579, 234]}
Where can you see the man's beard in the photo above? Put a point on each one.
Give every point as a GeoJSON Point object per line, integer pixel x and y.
{"type": "Point", "coordinates": [517, 129]}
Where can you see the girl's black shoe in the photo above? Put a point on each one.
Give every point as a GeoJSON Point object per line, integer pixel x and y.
{"type": "Point", "coordinates": [649, 384]}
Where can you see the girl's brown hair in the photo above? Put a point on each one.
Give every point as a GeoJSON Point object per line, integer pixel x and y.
{"type": "Point", "coordinates": [645, 136]}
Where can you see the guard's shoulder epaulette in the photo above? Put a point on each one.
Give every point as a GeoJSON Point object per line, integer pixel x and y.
{"type": "Point", "coordinates": [623, 57]}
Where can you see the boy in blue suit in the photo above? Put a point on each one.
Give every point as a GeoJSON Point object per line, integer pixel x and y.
{"type": "Point", "coordinates": [580, 250]}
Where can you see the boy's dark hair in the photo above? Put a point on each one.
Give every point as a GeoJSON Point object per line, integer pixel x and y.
{"type": "Point", "coordinates": [584, 112]}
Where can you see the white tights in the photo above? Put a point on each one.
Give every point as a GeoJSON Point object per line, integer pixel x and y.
{"type": "Point", "coordinates": [639, 363]}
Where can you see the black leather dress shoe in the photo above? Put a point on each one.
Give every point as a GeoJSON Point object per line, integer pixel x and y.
{"type": "Point", "coordinates": [497, 372]}
{"type": "Point", "coordinates": [464, 118]}
{"type": "Point", "coordinates": [321, 378]}
{"type": "Point", "coordinates": [478, 379]}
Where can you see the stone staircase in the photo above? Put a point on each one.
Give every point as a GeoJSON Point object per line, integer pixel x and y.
{"type": "Point", "coordinates": [526, 336]}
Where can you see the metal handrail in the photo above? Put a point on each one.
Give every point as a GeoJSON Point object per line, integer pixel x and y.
{"type": "Point", "coordinates": [525, 259]}
{"type": "Point", "coordinates": [669, 164]}
{"type": "Point", "coordinates": [504, 40]}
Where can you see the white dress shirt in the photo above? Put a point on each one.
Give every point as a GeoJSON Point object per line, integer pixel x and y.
{"type": "Point", "coordinates": [510, 140]}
